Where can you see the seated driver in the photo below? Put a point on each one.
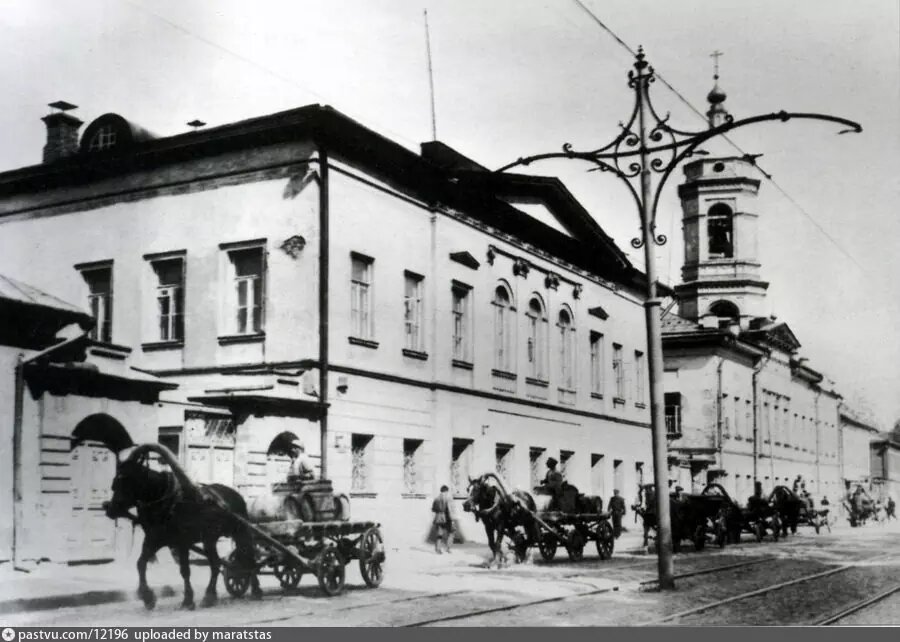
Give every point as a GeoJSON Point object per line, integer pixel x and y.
{"type": "Point", "coordinates": [301, 467]}
{"type": "Point", "coordinates": [552, 481]}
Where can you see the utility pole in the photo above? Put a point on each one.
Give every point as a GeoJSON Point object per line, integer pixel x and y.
{"type": "Point", "coordinates": [643, 156]}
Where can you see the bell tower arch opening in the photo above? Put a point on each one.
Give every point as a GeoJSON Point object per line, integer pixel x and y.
{"type": "Point", "coordinates": [720, 231]}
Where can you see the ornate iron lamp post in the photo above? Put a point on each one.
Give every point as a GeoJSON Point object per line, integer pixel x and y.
{"type": "Point", "coordinates": [641, 158]}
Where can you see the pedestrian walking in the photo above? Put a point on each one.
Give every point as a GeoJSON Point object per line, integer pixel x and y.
{"type": "Point", "coordinates": [890, 508]}
{"type": "Point", "coordinates": [617, 510]}
{"type": "Point", "coordinates": [442, 511]}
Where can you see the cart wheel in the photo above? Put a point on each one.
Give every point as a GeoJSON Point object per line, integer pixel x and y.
{"type": "Point", "coordinates": [330, 570]}
{"type": "Point", "coordinates": [575, 545]}
{"type": "Point", "coordinates": [371, 557]}
{"type": "Point", "coordinates": [288, 575]}
{"type": "Point", "coordinates": [237, 579]}
{"type": "Point", "coordinates": [606, 540]}
{"type": "Point", "coordinates": [547, 546]}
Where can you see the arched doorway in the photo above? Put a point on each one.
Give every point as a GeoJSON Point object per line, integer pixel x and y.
{"type": "Point", "coordinates": [278, 457]}
{"type": "Point", "coordinates": [96, 441]}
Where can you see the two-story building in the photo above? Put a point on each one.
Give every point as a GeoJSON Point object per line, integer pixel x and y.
{"type": "Point", "coordinates": [413, 318]}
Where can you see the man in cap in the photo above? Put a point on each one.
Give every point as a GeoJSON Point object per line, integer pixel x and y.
{"type": "Point", "coordinates": [301, 467]}
{"type": "Point", "coordinates": [617, 510]}
{"type": "Point", "coordinates": [678, 495]}
{"type": "Point", "coordinates": [553, 482]}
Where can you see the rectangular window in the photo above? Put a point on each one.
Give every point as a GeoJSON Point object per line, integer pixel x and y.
{"type": "Point", "coordinates": [99, 282]}
{"type": "Point", "coordinates": [639, 377]}
{"type": "Point", "coordinates": [618, 475]}
{"type": "Point", "coordinates": [461, 465]}
{"type": "Point", "coordinates": [565, 459]}
{"type": "Point", "coordinates": [246, 290]}
{"type": "Point", "coordinates": [412, 476]}
{"type": "Point", "coordinates": [361, 456]}
{"type": "Point", "coordinates": [598, 476]}
{"type": "Point", "coordinates": [169, 274]}
{"type": "Point", "coordinates": [461, 321]}
{"type": "Point", "coordinates": [170, 437]}
{"type": "Point", "coordinates": [597, 360]}
{"type": "Point", "coordinates": [504, 457]}
{"type": "Point", "coordinates": [361, 291]}
{"type": "Point", "coordinates": [412, 311]}
{"type": "Point", "coordinates": [673, 414]}
{"type": "Point", "coordinates": [536, 458]}
{"type": "Point", "coordinates": [619, 371]}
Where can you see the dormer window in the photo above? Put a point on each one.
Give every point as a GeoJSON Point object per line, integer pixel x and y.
{"type": "Point", "coordinates": [104, 138]}
{"type": "Point", "coordinates": [720, 231]}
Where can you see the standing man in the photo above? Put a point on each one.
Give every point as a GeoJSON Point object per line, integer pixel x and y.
{"type": "Point", "coordinates": [617, 509]}
{"type": "Point", "coordinates": [890, 508]}
{"type": "Point", "coordinates": [441, 509]}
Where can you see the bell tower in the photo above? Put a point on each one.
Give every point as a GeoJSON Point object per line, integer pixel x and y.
{"type": "Point", "coordinates": [721, 280]}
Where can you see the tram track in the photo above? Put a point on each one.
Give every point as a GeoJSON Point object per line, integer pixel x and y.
{"type": "Point", "coordinates": [856, 608]}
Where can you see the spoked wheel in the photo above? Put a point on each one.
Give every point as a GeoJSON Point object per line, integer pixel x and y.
{"type": "Point", "coordinates": [288, 575]}
{"type": "Point", "coordinates": [547, 546]}
{"type": "Point", "coordinates": [575, 545]}
{"type": "Point", "coordinates": [371, 557]}
{"type": "Point", "coordinates": [606, 540]}
{"type": "Point", "coordinates": [330, 570]}
{"type": "Point", "coordinates": [237, 578]}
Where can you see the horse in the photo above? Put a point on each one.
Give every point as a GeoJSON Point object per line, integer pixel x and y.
{"type": "Point", "coordinates": [788, 507]}
{"type": "Point", "coordinates": [503, 513]}
{"type": "Point", "coordinates": [176, 514]}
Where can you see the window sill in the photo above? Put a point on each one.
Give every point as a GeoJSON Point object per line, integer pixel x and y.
{"type": "Point", "coordinates": [363, 494]}
{"type": "Point", "coordinates": [229, 339]}
{"type": "Point", "coordinates": [640, 404]}
{"type": "Point", "coordinates": [413, 495]}
{"type": "Point", "coordinates": [154, 346]}
{"type": "Point", "coordinates": [415, 354]}
{"type": "Point", "coordinates": [596, 395]}
{"type": "Point", "coordinates": [537, 382]}
{"type": "Point", "coordinates": [464, 365]}
{"type": "Point", "coordinates": [365, 343]}
{"type": "Point", "coordinates": [503, 374]}
{"type": "Point", "coordinates": [618, 401]}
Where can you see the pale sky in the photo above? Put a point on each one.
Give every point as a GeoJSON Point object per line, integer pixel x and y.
{"type": "Point", "coordinates": [519, 77]}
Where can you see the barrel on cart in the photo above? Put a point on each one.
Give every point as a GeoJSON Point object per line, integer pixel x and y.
{"type": "Point", "coordinates": [569, 519]}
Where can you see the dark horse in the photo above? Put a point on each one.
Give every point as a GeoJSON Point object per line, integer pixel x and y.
{"type": "Point", "coordinates": [788, 507]}
{"type": "Point", "coordinates": [176, 514]}
{"type": "Point", "coordinates": [503, 513]}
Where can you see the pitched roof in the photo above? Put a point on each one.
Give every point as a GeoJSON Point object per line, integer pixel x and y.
{"type": "Point", "coordinates": [15, 291]}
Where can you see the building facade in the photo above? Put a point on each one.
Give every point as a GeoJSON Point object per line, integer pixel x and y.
{"type": "Point", "coordinates": [741, 404]}
{"type": "Point", "coordinates": [411, 317]}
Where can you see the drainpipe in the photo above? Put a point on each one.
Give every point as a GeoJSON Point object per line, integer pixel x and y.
{"type": "Point", "coordinates": [755, 381]}
{"type": "Point", "coordinates": [18, 420]}
{"type": "Point", "coordinates": [719, 435]}
{"type": "Point", "coordinates": [818, 430]}
{"type": "Point", "coordinates": [323, 309]}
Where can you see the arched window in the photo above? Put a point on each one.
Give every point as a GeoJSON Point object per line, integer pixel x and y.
{"type": "Point", "coordinates": [537, 343]}
{"type": "Point", "coordinates": [566, 329]}
{"type": "Point", "coordinates": [726, 311]}
{"type": "Point", "coordinates": [719, 231]}
{"type": "Point", "coordinates": [104, 138]}
{"type": "Point", "coordinates": [503, 329]}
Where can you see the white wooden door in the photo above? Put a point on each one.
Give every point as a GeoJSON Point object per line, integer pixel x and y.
{"type": "Point", "coordinates": [92, 533]}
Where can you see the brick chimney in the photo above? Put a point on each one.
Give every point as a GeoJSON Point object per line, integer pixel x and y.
{"type": "Point", "coordinates": [62, 132]}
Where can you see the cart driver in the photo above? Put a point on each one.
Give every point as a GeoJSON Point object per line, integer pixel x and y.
{"type": "Point", "coordinates": [301, 467]}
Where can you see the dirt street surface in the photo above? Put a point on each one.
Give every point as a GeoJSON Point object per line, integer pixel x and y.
{"type": "Point", "coordinates": [846, 577]}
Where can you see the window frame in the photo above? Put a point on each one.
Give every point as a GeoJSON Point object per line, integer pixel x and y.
{"type": "Point", "coordinates": [720, 215]}
{"type": "Point", "coordinates": [640, 393]}
{"type": "Point", "coordinates": [362, 297]}
{"type": "Point", "coordinates": [230, 306]}
{"type": "Point", "coordinates": [461, 323]}
{"type": "Point", "coordinates": [536, 339]}
{"type": "Point", "coordinates": [504, 329]}
{"type": "Point", "coordinates": [618, 362]}
{"type": "Point", "coordinates": [103, 327]}
{"type": "Point", "coordinates": [366, 447]}
{"type": "Point", "coordinates": [598, 363]}
{"type": "Point", "coordinates": [413, 320]}
{"type": "Point", "coordinates": [568, 376]}
{"type": "Point", "coordinates": [177, 299]}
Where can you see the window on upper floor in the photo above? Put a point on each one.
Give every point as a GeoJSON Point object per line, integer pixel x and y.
{"type": "Point", "coordinates": [169, 293]}
{"type": "Point", "coordinates": [720, 233]}
{"type": "Point", "coordinates": [362, 324]}
{"type": "Point", "coordinates": [618, 365]}
{"type": "Point", "coordinates": [99, 280]}
{"type": "Point", "coordinates": [413, 291]}
{"type": "Point", "coordinates": [597, 364]}
{"type": "Point", "coordinates": [504, 318]}
{"type": "Point", "coordinates": [673, 414]}
{"type": "Point", "coordinates": [566, 328]}
{"type": "Point", "coordinates": [639, 374]}
{"type": "Point", "coordinates": [244, 289]}
{"type": "Point", "coordinates": [537, 342]}
{"type": "Point", "coordinates": [462, 322]}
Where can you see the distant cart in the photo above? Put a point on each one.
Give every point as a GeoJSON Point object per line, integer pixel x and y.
{"type": "Point", "coordinates": [564, 525]}
{"type": "Point", "coordinates": [308, 533]}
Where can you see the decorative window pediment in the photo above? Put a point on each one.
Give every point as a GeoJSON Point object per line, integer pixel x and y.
{"type": "Point", "coordinates": [465, 258]}
{"type": "Point", "coordinates": [598, 312]}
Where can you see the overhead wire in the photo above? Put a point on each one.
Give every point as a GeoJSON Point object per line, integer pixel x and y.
{"type": "Point", "coordinates": [696, 111]}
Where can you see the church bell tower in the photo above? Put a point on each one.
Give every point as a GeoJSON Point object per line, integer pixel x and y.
{"type": "Point", "coordinates": [721, 282]}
